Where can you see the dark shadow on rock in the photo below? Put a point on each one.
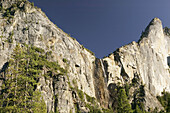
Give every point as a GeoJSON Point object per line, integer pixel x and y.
{"type": "Point", "coordinates": [168, 60]}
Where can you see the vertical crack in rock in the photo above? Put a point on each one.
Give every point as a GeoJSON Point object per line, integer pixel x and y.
{"type": "Point", "coordinates": [103, 69]}
{"type": "Point", "coordinates": [100, 85]}
{"type": "Point", "coordinates": [146, 60]}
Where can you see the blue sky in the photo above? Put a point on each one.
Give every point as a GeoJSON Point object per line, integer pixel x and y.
{"type": "Point", "coordinates": [104, 25]}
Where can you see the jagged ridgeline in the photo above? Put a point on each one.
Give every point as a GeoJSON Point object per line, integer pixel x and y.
{"type": "Point", "coordinates": [43, 69]}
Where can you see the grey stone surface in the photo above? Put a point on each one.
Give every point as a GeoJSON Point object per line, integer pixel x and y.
{"type": "Point", "coordinates": [146, 59]}
{"type": "Point", "coordinates": [31, 26]}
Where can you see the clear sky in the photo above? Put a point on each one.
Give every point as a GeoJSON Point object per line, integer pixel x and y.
{"type": "Point", "coordinates": [104, 25]}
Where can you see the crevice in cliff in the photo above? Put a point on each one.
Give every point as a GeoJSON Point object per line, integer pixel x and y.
{"type": "Point", "coordinates": [123, 73]}
{"type": "Point", "coordinates": [55, 98]}
{"type": "Point", "coordinates": [103, 69]}
{"type": "Point", "coordinates": [105, 63]}
{"type": "Point", "coordinates": [100, 84]}
{"type": "Point", "coordinates": [168, 60]}
{"type": "Point", "coordinates": [4, 67]}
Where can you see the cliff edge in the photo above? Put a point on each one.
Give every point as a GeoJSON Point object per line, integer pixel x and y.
{"type": "Point", "coordinates": [89, 84]}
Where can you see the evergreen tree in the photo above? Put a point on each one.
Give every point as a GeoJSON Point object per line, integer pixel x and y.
{"type": "Point", "coordinates": [138, 110]}
{"type": "Point", "coordinates": [138, 101]}
{"type": "Point", "coordinates": [165, 100]}
{"type": "Point", "coordinates": [18, 91]}
{"type": "Point", "coordinates": [123, 104]}
{"type": "Point", "coordinates": [9, 98]}
{"type": "Point", "coordinates": [168, 106]}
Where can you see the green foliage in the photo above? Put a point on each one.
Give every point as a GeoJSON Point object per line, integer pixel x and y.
{"type": "Point", "coordinates": [32, 4]}
{"type": "Point", "coordinates": [107, 110]}
{"type": "Point", "coordinates": [64, 60]}
{"type": "Point", "coordinates": [39, 60]}
{"type": "Point", "coordinates": [168, 106]}
{"type": "Point", "coordinates": [9, 12]}
{"type": "Point", "coordinates": [143, 34]}
{"type": "Point", "coordinates": [41, 37]}
{"type": "Point", "coordinates": [156, 110]}
{"type": "Point", "coordinates": [76, 108]}
{"type": "Point", "coordinates": [167, 31]}
{"type": "Point", "coordinates": [134, 81]}
{"type": "Point", "coordinates": [19, 92]}
{"type": "Point", "coordinates": [165, 100]}
{"type": "Point", "coordinates": [38, 105]}
{"type": "Point", "coordinates": [90, 51]}
{"type": "Point", "coordinates": [93, 109]}
{"type": "Point", "coordinates": [123, 103]}
{"type": "Point", "coordinates": [80, 94]}
{"type": "Point", "coordinates": [74, 82]}
{"type": "Point", "coordinates": [73, 38]}
{"type": "Point", "coordinates": [120, 95]}
{"type": "Point", "coordinates": [90, 99]}
{"type": "Point", "coordinates": [49, 53]}
{"type": "Point", "coordinates": [56, 110]}
{"type": "Point", "coordinates": [142, 91]}
{"type": "Point", "coordinates": [138, 110]}
{"type": "Point", "coordinates": [40, 50]}
{"type": "Point", "coordinates": [1, 8]}
{"type": "Point", "coordinates": [52, 47]}
{"type": "Point", "coordinates": [127, 87]}
{"type": "Point", "coordinates": [138, 101]}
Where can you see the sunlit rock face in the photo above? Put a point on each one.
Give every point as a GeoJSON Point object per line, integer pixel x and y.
{"type": "Point", "coordinates": [147, 60]}
{"type": "Point", "coordinates": [31, 26]}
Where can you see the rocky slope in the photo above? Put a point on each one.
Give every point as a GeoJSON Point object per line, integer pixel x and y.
{"type": "Point", "coordinates": [146, 59]}
{"type": "Point", "coordinates": [89, 81]}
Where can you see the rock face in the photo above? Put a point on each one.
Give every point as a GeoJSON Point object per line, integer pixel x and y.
{"type": "Point", "coordinates": [30, 25]}
{"type": "Point", "coordinates": [147, 59]}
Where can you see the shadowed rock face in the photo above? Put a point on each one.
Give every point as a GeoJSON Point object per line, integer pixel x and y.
{"type": "Point", "coordinates": [168, 60]}
{"type": "Point", "coordinates": [100, 84]}
{"type": "Point", "coordinates": [148, 60]}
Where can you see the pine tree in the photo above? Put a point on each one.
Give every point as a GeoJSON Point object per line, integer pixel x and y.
{"type": "Point", "coordinates": [38, 105]}
{"type": "Point", "coordinates": [138, 110]}
{"type": "Point", "coordinates": [18, 91]}
{"type": "Point", "coordinates": [168, 106]}
{"type": "Point", "coordinates": [165, 100]}
{"type": "Point", "coordinates": [123, 104]}
{"type": "Point", "coordinates": [10, 87]}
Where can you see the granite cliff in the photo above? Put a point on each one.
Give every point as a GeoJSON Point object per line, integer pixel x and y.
{"type": "Point", "coordinates": [90, 82]}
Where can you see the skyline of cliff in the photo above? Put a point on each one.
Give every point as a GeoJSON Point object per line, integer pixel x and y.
{"type": "Point", "coordinates": [104, 26]}
{"type": "Point", "coordinates": [43, 69]}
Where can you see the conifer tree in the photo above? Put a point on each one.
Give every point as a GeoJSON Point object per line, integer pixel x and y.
{"type": "Point", "coordinates": [18, 91]}
{"type": "Point", "coordinates": [138, 110]}
{"type": "Point", "coordinates": [168, 106]}
{"type": "Point", "coordinates": [123, 104]}
{"type": "Point", "coordinates": [10, 94]}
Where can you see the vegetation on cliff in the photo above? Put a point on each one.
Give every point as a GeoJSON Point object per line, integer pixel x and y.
{"type": "Point", "coordinates": [19, 91]}
{"type": "Point", "coordinates": [165, 101]}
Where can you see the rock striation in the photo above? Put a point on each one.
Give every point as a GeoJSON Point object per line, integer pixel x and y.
{"type": "Point", "coordinates": [146, 59]}
{"type": "Point", "coordinates": [89, 80]}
